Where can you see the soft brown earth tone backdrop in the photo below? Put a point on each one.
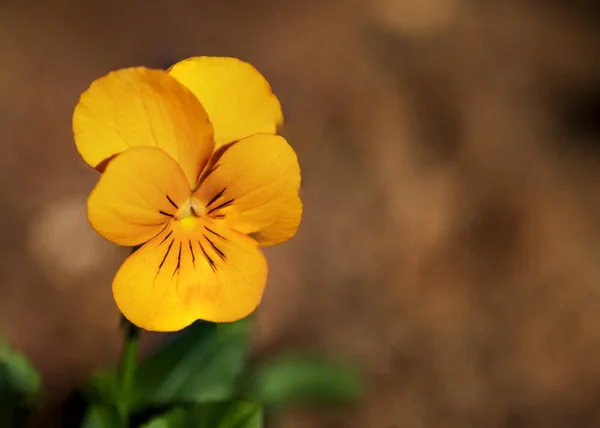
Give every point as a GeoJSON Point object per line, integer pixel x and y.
{"type": "Point", "coordinates": [451, 167]}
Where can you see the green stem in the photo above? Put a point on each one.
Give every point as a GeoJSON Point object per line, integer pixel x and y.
{"type": "Point", "coordinates": [127, 369]}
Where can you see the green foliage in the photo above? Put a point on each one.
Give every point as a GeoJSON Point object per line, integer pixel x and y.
{"type": "Point", "coordinates": [101, 416]}
{"type": "Point", "coordinates": [309, 379]}
{"type": "Point", "coordinates": [201, 365]}
{"type": "Point", "coordinates": [20, 386]}
{"type": "Point", "coordinates": [237, 414]}
{"type": "Point", "coordinates": [199, 379]}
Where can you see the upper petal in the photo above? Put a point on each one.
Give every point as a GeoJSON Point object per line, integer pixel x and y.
{"type": "Point", "coordinates": [143, 107]}
{"type": "Point", "coordinates": [137, 195]}
{"type": "Point", "coordinates": [257, 181]}
{"type": "Point", "coordinates": [238, 99]}
{"type": "Point", "coordinates": [192, 271]}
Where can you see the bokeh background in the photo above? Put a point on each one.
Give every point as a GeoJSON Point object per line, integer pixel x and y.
{"type": "Point", "coordinates": [451, 168]}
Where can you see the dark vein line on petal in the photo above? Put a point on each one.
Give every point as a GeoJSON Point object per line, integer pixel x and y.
{"type": "Point", "coordinates": [210, 261]}
{"type": "Point", "coordinates": [193, 255]}
{"type": "Point", "coordinates": [166, 237]}
{"type": "Point", "coordinates": [161, 231]}
{"type": "Point", "coordinates": [217, 196]}
{"type": "Point", "coordinates": [178, 260]}
{"type": "Point", "coordinates": [165, 257]}
{"type": "Point", "coordinates": [219, 252]}
{"type": "Point", "coordinates": [172, 203]}
{"type": "Point", "coordinates": [214, 233]}
{"type": "Point", "coordinates": [167, 214]}
{"type": "Point", "coordinates": [223, 205]}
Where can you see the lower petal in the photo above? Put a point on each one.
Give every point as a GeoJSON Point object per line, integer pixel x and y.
{"type": "Point", "coordinates": [193, 271]}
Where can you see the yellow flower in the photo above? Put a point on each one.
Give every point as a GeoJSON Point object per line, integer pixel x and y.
{"type": "Point", "coordinates": [194, 172]}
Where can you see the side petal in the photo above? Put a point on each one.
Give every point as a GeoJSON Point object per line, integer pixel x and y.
{"type": "Point", "coordinates": [253, 187]}
{"type": "Point", "coordinates": [136, 196]}
{"type": "Point", "coordinates": [238, 99]}
{"type": "Point", "coordinates": [282, 229]}
{"type": "Point", "coordinates": [142, 107]}
{"type": "Point", "coordinates": [189, 273]}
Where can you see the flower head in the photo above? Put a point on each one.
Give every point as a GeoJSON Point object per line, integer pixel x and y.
{"type": "Point", "coordinates": [194, 173]}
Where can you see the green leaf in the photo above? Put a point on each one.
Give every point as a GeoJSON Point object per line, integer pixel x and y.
{"type": "Point", "coordinates": [101, 387]}
{"type": "Point", "coordinates": [175, 418]}
{"type": "Point", "coordinates": [304, 379]}
{"type": "Point", "coordinates": [101, 416]}
{"type": "Point", "coordinates": [238, 414]}
{"type": "Point", "coordinates": [202, 364]}
{"type": "Point", "coordinates": [20, 386]}
{"type": "Point", "coordinates": [242, 414]}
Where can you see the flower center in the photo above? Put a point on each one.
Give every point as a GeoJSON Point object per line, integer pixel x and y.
{"type": "Point", "coordinates": [189, 211]}
{"type": "Point", "coordinates": [191, 207]}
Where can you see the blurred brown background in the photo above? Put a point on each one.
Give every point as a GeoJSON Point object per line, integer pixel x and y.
{"type": "Point", "coordinates": [451, 166]}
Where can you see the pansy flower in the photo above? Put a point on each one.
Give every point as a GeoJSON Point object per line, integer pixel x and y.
{"type": "Point", "coordinates": [192, 172]}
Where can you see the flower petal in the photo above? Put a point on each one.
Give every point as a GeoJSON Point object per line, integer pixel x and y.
{"type": "Point", "coordinates": [137, 195]}
{"type": "Point", "coordinates": [193, 271]}
{"type": "Point", "coordinates": [284, 228]}
{"type": "Point", "coordinates": [257, 181]}
{"type": "Point", "coordinates": [238, 99]}
{"type": "Point", "coordinates": [142, 107]}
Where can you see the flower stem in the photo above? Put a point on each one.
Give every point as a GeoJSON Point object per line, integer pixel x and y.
{"type": "Point", "coordinates": [127, 369]}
